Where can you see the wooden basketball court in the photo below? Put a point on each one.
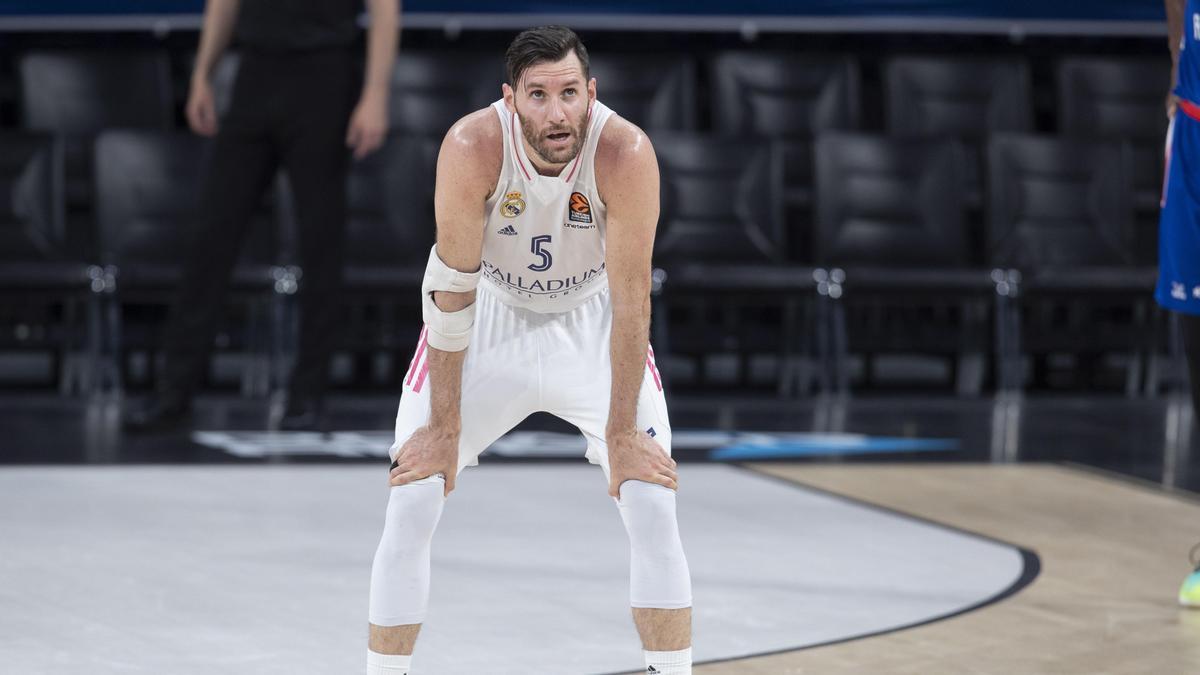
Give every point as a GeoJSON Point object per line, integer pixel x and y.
{"type": "Point", "coordinates": [1113, 553]}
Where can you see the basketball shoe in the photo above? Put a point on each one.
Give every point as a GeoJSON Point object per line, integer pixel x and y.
{"type": "Point", "coordinates": [1189, 592]}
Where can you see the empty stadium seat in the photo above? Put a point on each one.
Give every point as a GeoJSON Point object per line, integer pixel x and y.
{"type": "Point", "coordinates": [1122, 99]}
{"type": "Point", "coordinates": [83, 93]}
{"type": "Point", "coordinates": [147, 184]}
{"type": "Point", "coordinates": [43, 293]}
{"type": "Point", "coordinates": [390, 230]}
{"type": "Point", "coordinates": [652, 91]}
{"type": "Point", "coordinates": [720, 245]}
{"type": "Point", "coordinates": [391, 221]}
{"type": "Point", "coordinates": [75, 94]}
{"type": "Point", "coordinates": [960, 98]}
{"type": "Point", "coordinates": [30, 197]}
{"type": "Point", "coordinates": [719, 200]}
{"type": "Point", "coordinates": [891, 215]}
{"type": "Point", "coordinates": [433, 89]}
{"type": "Point", "coordinates": [1056, 203]}
{"type": "Point", "coordinates": [1061, 212]}
{"type": "Point", "coordinates": [789, 98]}
{"type": "Point", "coordinates": [9, 95]}
{"type": "Point", "coordinates": [896, 203]}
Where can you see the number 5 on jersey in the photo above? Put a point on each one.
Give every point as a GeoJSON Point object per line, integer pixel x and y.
{"type": "Point", "coordinates": [536, 247]}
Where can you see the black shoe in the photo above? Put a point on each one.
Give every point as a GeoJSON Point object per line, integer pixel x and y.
{"type": "Point", "coordinates": [163, 412]}
{"type": "Point", "coordinates": [303, 415]}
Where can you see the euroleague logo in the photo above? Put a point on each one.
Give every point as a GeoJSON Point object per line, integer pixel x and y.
{"type": "Point", "coordinates": [581, 208]}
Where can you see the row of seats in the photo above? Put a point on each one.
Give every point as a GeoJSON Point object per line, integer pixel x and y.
{"type": "Point", "coordinates": [790, 98]}
{"type": "Point", "coordinates": [891, 233]}
{"type": "Point", "coordinates": [771, 94]}
{"type": "Point", "coordinates": [1051, 202]}
{"type": "Point", "coordinates": [906, 227]}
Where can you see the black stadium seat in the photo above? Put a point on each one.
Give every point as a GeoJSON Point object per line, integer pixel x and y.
{"type": "Point", "coordinates": [720, 247]}
{"type": "Point", "coordinates": [963, 99]}
{"type": "Point", "coordinates": [655, 92]}
{"type": "Point", "coordinates": [896, 203]}
{"type": "Point", "coordinates": [390, 230]}
{"type": "Point", "coordinates": [83, 93]}
{"type": "Point", "coordinates": [1055, 203]}
{"type": "Point", "coordinates": [433, 89]}
{"type": "Point", "coordinates": [959, 98]}
{"type": "Point", "coordinates": [391, 220]}
{"type": "Point", "coordinates": [1061, 213]}
{"type": "Point", "coordinates": [30, 197]}
{"type": "Point", "coordinates": [891, 215]}
{"type": "Point", "coordinates": [76, 94]}
{"type": "Point", "coordinates": [1122, 99]}
{"type": "Point", "coordinates": [788, 98]}
{"type": "Point", "coordinates": [720, 200]}
{"type": "Point", "coordinates": [147, 184]}
{"type": "Point", "coordinates": [43, 293]}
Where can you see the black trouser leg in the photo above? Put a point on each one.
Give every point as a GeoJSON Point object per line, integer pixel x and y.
{"type": "Point", "coordinates": [316, 160]}
{"type": "Point", "coordinates": [240, 165]}
{"type": "Point", "coordinates": [1190, 327]}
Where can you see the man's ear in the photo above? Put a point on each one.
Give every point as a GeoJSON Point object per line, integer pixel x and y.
{"type": "Point", "coordinates": [509, 97]}
{"type": "Point", "coordinates": [591, 86]}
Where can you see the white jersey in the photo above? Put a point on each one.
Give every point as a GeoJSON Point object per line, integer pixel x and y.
{"type": "Point", "coordinates": [543, 243]}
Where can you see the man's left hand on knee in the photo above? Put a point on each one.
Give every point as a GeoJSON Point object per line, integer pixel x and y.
{"type": "Point", "coordinates": [636, 455]}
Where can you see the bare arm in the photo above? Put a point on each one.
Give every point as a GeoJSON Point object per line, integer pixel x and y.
{"type": "Point", "coordinates": [467, 170]}
{"type": "Point", "coordinates": [369, 122]}
{"type": "Point", "coordinates": [627, 172]}
{"type": "Point", "coordinates": [463, 186]}
{"type": "Point", "coordinates": [1175, 12]}
{"type": "Point", "coordinates": [631, 195]}
{"type": "Point", "coordinates": [219, 19]}
{"type": "Point", "coordinates": [382, 37]}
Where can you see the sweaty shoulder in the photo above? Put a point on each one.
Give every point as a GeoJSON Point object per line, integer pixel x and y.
{"type": "Point", "coordinates": [623, 153]}
{"type": "Point", "coordinates": [472, 152]}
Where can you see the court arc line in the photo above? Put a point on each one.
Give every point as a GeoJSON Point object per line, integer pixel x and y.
{"type": "Point", "coordinates": [1030, 569]}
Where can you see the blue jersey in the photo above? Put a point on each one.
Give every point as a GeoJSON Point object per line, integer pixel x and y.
{"type": "Point", "coordinates": [1188, 84]}
{"type": "Point", "coordinates": [1179, 224]}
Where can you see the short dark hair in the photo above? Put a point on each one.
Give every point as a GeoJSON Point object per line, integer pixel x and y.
{"type": "Point", "coordinates": [542, 44]}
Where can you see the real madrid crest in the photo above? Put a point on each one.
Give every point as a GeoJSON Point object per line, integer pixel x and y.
{"type": "Point", "coordinates": [513, 205]}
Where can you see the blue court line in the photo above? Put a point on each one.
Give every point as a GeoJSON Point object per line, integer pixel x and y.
{"type": "Point", "coordinates": [831, 446]}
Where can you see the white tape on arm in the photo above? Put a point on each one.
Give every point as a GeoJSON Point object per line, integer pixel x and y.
{"type": "Point", "coordinates": [448, 331]}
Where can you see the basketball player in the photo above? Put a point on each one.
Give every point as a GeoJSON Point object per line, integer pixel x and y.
{"type": "Point", "coordinates": [537, 298]}
{"type": "Point", "coordinates": [1179, 226]}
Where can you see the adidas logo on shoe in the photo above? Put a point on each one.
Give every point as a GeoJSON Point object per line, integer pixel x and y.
{"type": "Point", "coordinates": [508, 229]}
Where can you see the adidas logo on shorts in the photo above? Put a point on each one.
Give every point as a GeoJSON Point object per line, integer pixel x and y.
{"type": "Point", "coordinates": [651, 669]}
{"type": "Point", "coordinates": [507, 229]}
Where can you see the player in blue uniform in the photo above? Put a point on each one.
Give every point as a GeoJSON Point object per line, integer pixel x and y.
{"type": "Point", "coordinates": [1179, 226]}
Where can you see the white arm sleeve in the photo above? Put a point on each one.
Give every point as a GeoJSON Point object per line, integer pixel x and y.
{"type": "Point", "coordinates": [448, 331]}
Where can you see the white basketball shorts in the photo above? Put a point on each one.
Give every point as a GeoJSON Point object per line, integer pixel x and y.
{"type": "Point", "coordinates": [521, 362]}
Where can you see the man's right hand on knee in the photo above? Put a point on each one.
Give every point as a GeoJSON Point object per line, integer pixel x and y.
{"type": "Point", "coordinates": [427, 452]}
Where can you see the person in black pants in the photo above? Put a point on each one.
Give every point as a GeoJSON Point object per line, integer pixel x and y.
{"type": "Point", "coordinates": [298, 105]}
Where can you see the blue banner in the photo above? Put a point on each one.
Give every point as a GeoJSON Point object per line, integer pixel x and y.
{"type": "Point", "coordinates": [1061, 10]}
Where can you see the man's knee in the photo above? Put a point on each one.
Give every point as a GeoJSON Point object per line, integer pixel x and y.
{"type": "Point", "coordinates": [413, 512]}
{"type": "Point", "coordinates": [400, 573]}
{"type": "Point", "coordinates": [659, 576]}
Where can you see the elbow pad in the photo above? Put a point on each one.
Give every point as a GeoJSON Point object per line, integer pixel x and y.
{"type": "Point", "coordinates": [448, 331]}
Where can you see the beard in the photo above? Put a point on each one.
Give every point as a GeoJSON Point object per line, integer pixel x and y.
{"type": "Point", "coordinates": [539, 141]}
